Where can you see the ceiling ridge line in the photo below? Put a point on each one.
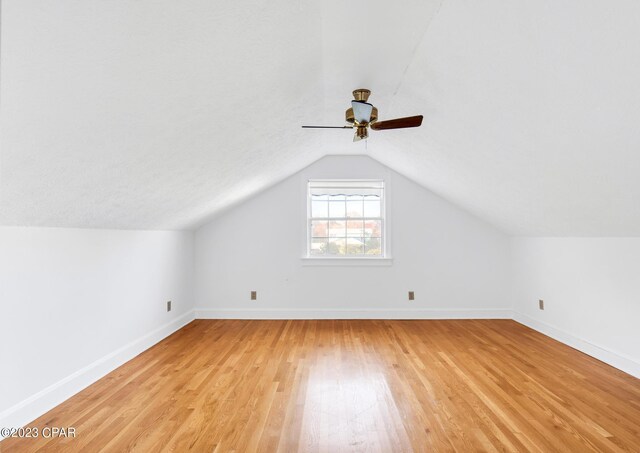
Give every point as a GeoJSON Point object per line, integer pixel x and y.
{"type": "Point", "coordinates": [415, 51]}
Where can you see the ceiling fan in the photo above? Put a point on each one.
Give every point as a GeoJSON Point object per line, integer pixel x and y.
{"type": "Point", "coordinates": [363, 116]}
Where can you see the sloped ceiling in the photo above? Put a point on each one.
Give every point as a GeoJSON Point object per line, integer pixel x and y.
{"type": "Point", "coordinates": [159, 114]}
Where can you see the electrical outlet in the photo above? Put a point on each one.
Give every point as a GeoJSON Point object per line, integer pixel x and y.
{"type": "Point", "coordinates": [254, 295]}
{"type": "Point", "coordinates": [541, 304]}
{"type": "Point", "coordinates": [412, 295]}
{"type": "Point", "coordinates": [168, 305]}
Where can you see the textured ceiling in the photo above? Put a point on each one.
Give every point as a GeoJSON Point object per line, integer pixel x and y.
{"type": "Point", "coordinates": [159, 114]}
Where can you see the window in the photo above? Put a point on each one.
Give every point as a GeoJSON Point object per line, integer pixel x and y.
{"type": "Point", "coordinates": [346, 219]}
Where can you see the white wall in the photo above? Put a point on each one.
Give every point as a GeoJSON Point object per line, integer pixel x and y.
{"type": "Point", "coordinates": [591, 291]}
{"type": "Point", "coordinates": [74, 304]}
{"type": "Point", "coordinates": [455, 263]}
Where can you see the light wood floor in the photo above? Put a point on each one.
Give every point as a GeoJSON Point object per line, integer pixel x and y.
{"type": "Point", "coordinates": [332, 386]}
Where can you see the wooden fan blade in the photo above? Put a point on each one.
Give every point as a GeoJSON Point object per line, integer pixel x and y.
{"type": "Point", "coordinates": [398, 123]}
{"type": "Point", "coordinates": [327, 127]}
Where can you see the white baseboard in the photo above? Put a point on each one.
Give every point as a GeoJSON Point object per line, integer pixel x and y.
{"type": "Point", "coordinates": [33, 407]}
{"type": "Point", "coordinates": [616, 360]}
{"type": "Point", "coordinates": [210, 313]}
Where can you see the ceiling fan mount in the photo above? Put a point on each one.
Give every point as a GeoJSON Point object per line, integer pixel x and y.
{"type": "Point", "coordinates": [361, 94]}
{"type": "Point", "coordinates": [361, 116]}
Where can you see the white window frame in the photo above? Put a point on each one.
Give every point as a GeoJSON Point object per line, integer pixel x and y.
{"type": "Point", "coordinates": [320, 260]}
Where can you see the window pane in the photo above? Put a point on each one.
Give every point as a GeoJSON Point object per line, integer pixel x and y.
{"type": "Point", "coordinates": [373, 228]}
{"type": "Point", "coordinates": [373, 246]}
{"type": "Point", "coordinates": [337, 218]}
{"type": "Point", "coordinates": [318, 246]}
{"type": "Point", "coordinates": [372, 207]}
{"type": "Point", "coordinates": [335, 246]}
{"type": "Point", "coordinates": [337, 228]}
{"type": "Point", "coordinates": [355, 228]}
{"type": "Point", "coordinates": [354, 206]}
{"type": "Point", "coordinates": [319, 228]}
{"type": "Point", "coordinates": [336, 209]}
{"type": "Point", "coordinates": [319, 208]}
{"type": "Point", "coordinates": [355, 246]}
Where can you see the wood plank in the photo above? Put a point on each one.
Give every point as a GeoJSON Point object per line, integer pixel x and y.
{"type": "Point", "coordinates": [350, 386]}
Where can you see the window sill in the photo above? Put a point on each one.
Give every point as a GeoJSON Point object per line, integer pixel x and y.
{"type": "Point", "coordinates": [316, 261]}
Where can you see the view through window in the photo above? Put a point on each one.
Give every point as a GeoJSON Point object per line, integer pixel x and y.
{"type": "Point", "coordinates": [346, 218]}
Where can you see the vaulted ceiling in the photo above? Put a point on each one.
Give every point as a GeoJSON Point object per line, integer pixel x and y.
{"type": "Point", "coordinates": [159, 114]}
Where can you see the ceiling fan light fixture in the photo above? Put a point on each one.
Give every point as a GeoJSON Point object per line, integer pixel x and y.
{"type": "Point", "coordinates": [351, 119]}
{"type": "Point", "coordinates": [362, 112]}
{"type": "Point", "coordinates": [362, 133]}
